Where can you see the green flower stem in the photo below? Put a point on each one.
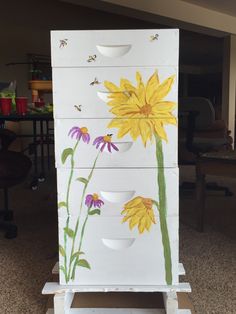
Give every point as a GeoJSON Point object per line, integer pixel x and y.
{"type": "Point", "coordinates": [67, 208]}
{"type": "Point", "coordinates": [78, 219]}
{"type": "Point", "coordinates": [80, 244]}
{"type": "Point", "coordinates": [162, 210]}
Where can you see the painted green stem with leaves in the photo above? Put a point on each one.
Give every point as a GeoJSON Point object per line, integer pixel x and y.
{"type": "Point", "coordinates": [80, 245]}
{"type": "Point", "coordinates": [162, 210]}
{"type": "Point", "coordinates": [72, 256]}
{"type": "Point", "coordinates": [65, 154]}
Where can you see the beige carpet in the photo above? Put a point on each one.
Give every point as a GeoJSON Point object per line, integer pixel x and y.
{"type": "Point", "coordinates": [26, 262]}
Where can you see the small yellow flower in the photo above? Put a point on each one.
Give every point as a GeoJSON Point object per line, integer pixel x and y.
{"type": "Point", "coordinates": [141, 110]}
{"type": "Point", "coordinates": [139, 211]}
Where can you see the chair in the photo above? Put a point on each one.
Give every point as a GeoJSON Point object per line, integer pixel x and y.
{"type": "Point", "coordinates": [14, 167]}
{"type": "Point", "coordinates": [200, 133]}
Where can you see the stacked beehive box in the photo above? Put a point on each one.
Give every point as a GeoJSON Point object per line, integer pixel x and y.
{"type": "Point", "coordinates": [115, 109]}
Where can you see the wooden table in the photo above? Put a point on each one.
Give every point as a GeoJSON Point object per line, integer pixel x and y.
{"type": "Point", "coordinates": [43, 137]}
{"type": "Point", "coordinates": [216, 164]}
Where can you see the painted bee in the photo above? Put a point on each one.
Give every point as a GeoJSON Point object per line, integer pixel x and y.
{"type": "Point", "coordinates": [63, 43]}
{"type": "Point", "coordinates": [95, 81]}
{"type": "Point", "coordinates": [78, 107]}
{"type": "Point", "coordinates": [154, 37]}
{"type": "Point", "coordinates": [92, 58]}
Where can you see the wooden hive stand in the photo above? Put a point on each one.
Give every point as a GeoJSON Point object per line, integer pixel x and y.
{"type": "Point", "coordinates": [64, 296]}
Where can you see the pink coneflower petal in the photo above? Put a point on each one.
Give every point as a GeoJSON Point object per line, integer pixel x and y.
{"type": "Point", "coordinates": [72, 129]}
{"type": "Point", "coordinates": [86, 137]}
{"type": "Point", "coordinates": [103, 146]}
{"type": "Point", "coordinates": [98, 203]}
{"type": "Point", "coordinates": [114, 147]}
{"type": "Point", "coordinates": [75, 128]}
{"type": "Point", "coordinates": [109, 147]}
{"type": "Point", "coordinates": [89, 200]}
{"type": "Point", "coordinates": [99, 139]}
{"type": "Point", "coordinates": [92, 200]}
{"type": "Point", "coordinates": [76, 132]}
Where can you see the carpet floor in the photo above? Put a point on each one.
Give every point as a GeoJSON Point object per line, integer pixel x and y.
{"type": "Point", "coordinates": [209, 257]}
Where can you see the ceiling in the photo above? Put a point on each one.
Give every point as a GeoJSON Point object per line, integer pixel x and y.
{"type": "Point", "coordinates": [226, 6]}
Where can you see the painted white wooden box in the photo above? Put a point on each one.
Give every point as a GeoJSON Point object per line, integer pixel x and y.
{"type": "Point", "coordinates": [115, 109]}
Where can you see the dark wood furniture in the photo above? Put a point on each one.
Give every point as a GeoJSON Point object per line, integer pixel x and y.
{"type": "Point", "coordinates": [216, 164]}
{"type": "Point", "coordinates": [40, 121]}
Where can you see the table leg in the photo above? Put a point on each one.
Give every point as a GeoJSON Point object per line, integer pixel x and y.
{"type": "Point", "coordinates": [34, 183]}
{"type": "Point", "coordinates": [200, 198]}
{"type": "Point", "coordinates": [47, 140]}
{"type": "Point", "coordinates": [42, 175]}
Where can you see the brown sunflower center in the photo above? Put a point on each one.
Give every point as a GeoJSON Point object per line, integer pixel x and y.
{"type": "Point", "coordinates": [147, 203]}
{"type": "Point", "coordinates": [146, 110]}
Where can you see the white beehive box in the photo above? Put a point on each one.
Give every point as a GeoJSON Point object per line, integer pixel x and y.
{"type": "Point", "coordinates": [115, 108]}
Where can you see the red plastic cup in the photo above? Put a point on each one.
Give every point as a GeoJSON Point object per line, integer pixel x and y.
{"type": "Point", "coordinates": [39, 103]}
{"type": "Point", "coordinates": [6, 103]}
{"type": "Point", "coordinates": [21, 105]}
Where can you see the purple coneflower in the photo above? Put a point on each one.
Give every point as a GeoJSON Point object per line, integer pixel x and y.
{"type": "Point", "coordinates": [104, 141]}
{"type": "Point", "coordinates": [92, 200]}
{"type": "Point", "coordinates": [80, 133]}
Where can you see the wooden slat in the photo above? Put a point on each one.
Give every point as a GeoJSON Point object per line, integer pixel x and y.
{"type": "Point", "coordinates": [53, 287]}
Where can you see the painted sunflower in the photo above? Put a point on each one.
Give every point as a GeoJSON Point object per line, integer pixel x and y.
{"type": "Point", "coordinates": [139, 212]}
{"type": "Point", "coordinates": [141, 110]}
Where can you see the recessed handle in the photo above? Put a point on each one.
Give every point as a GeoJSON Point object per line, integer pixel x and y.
{"type": "Point", "coordinates": [117, 196]}
{"type": "Point", "coordinates": [113, 51]}
{"type": "Point", "coordinates": [104, 96]}
{"type": "Point", "coordinates": [118, 244]}
{"type": "Point", "coordinates": [122, 147]}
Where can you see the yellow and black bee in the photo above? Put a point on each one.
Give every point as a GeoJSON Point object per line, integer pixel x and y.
{"type": "Point", "coordinates": [95, 82]}
{"type": "Point", "coordinates": [92, 58]}
{"type": "Point", "coordinates": [78, 107]}
{"type": "Point", "coordinates": [154, 37]}
{"type": "Point", "coordinates": [63, 43]}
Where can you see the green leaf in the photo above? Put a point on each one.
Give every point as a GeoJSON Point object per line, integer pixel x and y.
{"type": "Point", "coordinates": [61, 204]}
{"type": "Point", "coordinates": [75, 255]}
{"type": "Point", "coordinates": [62, 251]}
{"type": "Point", "coordinates": [81, 179]}
{"type": "Point", "coordinates": [62, 268]}
{"type": "Point", "coordinates": [69, 232]}
{"type": "Point", "coordinates": [66, 152]}
{"type": "Point", "coordinates": [95, 212]}
{"type": "Point", "coordinates": [83, 263]}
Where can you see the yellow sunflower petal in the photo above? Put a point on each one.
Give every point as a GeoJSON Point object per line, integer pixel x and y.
{"type": "Point", "coordinates": [140, 91]}
{"type": "Point", "coordinates": [111, 87]}
{"type": "Point", "coordinates": [159, 129]}
{"type": "Point", "coordinates": [116, 123]}
{"type": "Point", "coordinates": [170, 121]}
{"type": "Point", "coordinates": [135, 131]}
{"type": "Point", "coordinates": [162, 90]}
{"type": "Point", "coordinates": [133, 222]}
{"type": "Point", "coordinates": [142, 225]}
{"type": "Point", "coordinates": [124, 129]}
{"type": "Point", "coordinates": [124, 110]}
{"type": "Point", "coordinates": [134, 202]}
{"type": "Point", "coordinates": [134, 102]}
{"type": "Point", "coordinates": [126, 85]}
{"type": "Point", "coordinates": [145, 131]}
{"type": "Point", "coordinates": [152, 85]}
{"type": "Point", "coordinates": [165, 105]}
